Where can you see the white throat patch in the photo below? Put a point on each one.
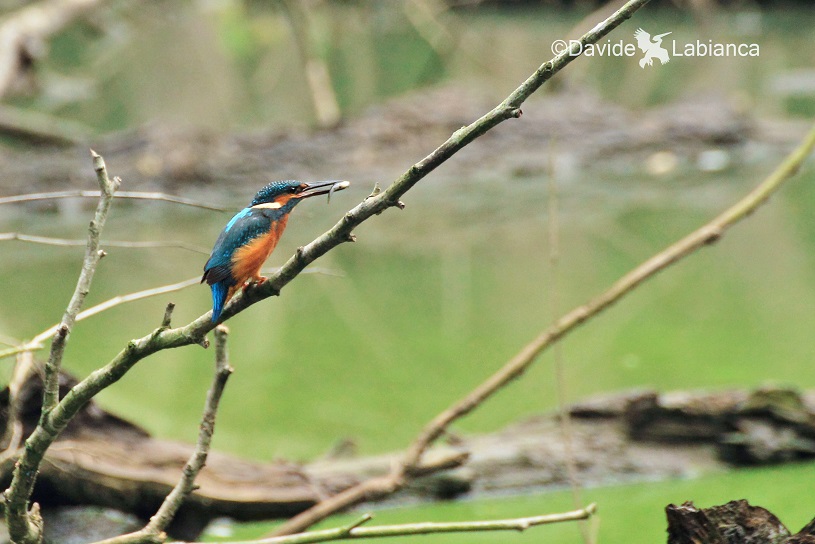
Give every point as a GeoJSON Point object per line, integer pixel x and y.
{"type": "Point", "coordinates": [269, 205]}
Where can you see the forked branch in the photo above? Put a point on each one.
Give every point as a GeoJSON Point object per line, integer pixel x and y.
{"type": "Point", "coordinates": [25, 528]}
{"type": "Point", "coordinates": [153, 532]}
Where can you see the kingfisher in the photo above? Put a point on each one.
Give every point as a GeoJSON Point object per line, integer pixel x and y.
{"type": "Point", "coordinates": [252, 234]}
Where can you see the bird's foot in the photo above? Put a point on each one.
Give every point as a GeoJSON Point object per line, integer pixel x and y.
{"type": "Point", "coordinates": [255, 282]}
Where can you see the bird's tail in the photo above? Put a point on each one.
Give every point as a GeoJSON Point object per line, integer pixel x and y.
{"type": "Point", "coordinates": [220, 292]}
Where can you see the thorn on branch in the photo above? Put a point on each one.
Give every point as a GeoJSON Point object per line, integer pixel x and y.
{"type": "Point", "coordinates": [713, 234]}
{"type": "Point", "coordinates": [107, 185]}
{"type": "Point", "coordinates": [168, 315]}
{"type": "Point", "coordinates": [351, 237]}
{"type": "Point", "coordinates": [399, 204]}
{"type": "Point", "coordinates": [299, 253]}
{"type": "Point", "coordinates": [364, 519]}
{"type": "Point", "coordinates": [102, 253]}
{"type": "Point", "coordinates": [377, 189]}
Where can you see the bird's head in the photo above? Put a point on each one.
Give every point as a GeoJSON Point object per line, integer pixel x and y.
{"type": "Point", "coordinates": [286, 194]}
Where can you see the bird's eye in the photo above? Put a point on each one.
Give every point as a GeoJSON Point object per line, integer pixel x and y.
{"type": "Point", "coordinates": [293, 189]}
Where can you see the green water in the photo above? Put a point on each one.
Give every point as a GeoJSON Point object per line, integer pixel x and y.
{"type": "Point", "coordinates": [433, 299]}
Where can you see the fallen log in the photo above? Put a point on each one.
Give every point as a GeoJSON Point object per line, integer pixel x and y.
{"type": "Point", "coordinates": [103, 460]}
{"type": "Point", "coordinates": [736, 521]}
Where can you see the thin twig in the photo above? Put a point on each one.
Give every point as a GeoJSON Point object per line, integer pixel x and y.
{"type": "Point", "coordinates": [173, 502]}
{"type": "Point", "coordinates": [410, 529]}
{"type": "Point", "coordinates": [166, 321]}
{"type": "Point", "coordinates": [153, 532]}
{"type": "Point", "coordinates": [65, 242]}
{"type": "Point", "coordinates": [21, 527]}
{"type": "Point", "coordinates": [138, 195]}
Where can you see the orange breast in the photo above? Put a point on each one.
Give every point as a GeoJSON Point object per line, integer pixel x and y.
{"type": "Point", "coordinates": [248, 260]}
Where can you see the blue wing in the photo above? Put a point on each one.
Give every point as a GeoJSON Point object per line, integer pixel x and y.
{"type": "Point", "coordinates": [247, 225]}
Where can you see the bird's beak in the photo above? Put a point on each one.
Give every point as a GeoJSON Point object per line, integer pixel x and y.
{"type": "Point", "coordinates": [322, 187]}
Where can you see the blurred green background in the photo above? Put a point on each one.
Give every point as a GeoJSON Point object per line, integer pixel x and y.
{"type": "Point", "coordinates": [433, 299]}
